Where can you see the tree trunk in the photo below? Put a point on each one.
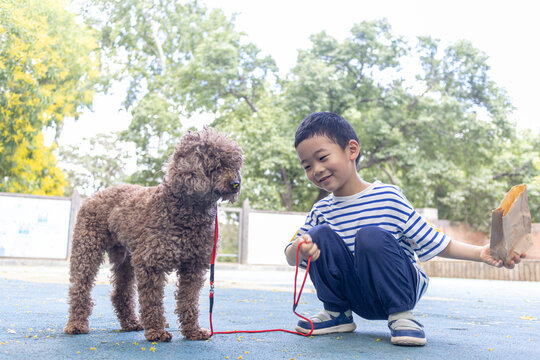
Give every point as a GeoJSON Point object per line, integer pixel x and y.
{"type": "Point", "coordinates": [286, 197]}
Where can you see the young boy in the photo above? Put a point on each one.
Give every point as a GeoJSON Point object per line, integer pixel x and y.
{"type": "Point", "coordinates": [364, 238]}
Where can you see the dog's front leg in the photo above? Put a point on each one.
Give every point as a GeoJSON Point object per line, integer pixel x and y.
{"type": "Point", "coordinates": [187, 303]}
{"type": "Point", "coordinates": [151, 285]}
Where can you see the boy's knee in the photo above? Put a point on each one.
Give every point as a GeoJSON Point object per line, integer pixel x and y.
{"type": "Point", "coordinates": [319, 232]}
{"type": "Point", "coordinates": [371, 239]}
{"type": "Point", "coordinates": [328, 241]}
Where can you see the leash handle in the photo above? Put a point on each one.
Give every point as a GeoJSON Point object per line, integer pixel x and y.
{"type": "Point", "coordinates": [296, 299]}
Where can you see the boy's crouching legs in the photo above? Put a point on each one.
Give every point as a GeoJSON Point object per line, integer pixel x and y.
{"type": "Point", "coordinates": [386, 275]}
{"type": "Point", "coordinates": [393, 277]}
{"type": "Point", "coordinates": [329, 274]}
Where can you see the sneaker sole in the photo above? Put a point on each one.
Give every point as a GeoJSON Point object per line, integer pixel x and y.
{"type": "Point", "coordinates": [408, 341]}
{"type": "Point", "coordinates": [344, 328]}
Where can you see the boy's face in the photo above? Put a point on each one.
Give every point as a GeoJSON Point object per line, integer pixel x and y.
{"type": "Point", "coordinates": [328, 166]}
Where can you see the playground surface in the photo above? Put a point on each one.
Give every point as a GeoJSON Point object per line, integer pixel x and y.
{"type": "Point", "coordinates": [463, 319]}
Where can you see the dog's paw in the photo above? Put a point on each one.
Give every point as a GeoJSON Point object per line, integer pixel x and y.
{"type": "Point", "coordinates": [199, 334]}
{"type": "Point", "coordinates": [158, 335]}
{"type": "Point", "coordinates": [74, 328]}
{"type": "Point", "coordinates": [133, 326]}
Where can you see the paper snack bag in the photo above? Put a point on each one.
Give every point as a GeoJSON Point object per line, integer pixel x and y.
{"type": "Point", "coordinates": [511, 225]}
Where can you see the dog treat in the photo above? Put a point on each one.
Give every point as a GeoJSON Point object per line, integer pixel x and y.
{"type": "Point", "coordinates": [511, 225]}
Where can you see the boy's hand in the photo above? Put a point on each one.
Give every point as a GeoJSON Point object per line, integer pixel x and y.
{"type": "Point", "coordinates": [308, 248]}
{"type": "Point", "coordinates": [512, 260]}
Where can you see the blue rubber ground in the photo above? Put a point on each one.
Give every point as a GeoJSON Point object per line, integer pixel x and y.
{"type": "Point", "coordinates": [463, 319]}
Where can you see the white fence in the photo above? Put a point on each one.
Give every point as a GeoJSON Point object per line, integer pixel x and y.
{"type": "Point", "coordinates": [40, 227]}
{"type": "Point", "coordinates": [268, 234]}
{"type": "Point", "coordinates": [260, 236]}
{"type": "Point", "coordinates": [37, 227]}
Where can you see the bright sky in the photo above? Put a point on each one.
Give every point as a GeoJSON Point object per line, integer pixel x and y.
{"type": "Point", "coordinates": [507, 31]}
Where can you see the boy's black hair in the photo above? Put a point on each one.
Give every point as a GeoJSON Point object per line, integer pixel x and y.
{"type": "Point", "coordinates": [326, 124]}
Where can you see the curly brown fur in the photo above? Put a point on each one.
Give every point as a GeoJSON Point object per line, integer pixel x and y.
{"type": "Point", "coordinates": [149, 232]}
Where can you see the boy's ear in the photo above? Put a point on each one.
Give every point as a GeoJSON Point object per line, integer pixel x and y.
{"type": "Point", "coordinates": [353, 149]}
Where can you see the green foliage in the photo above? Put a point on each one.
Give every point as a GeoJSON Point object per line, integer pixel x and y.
{"type": "Point", "coordinates": [272, 175]}
{"type": "Point", "coordinates": [429, 118]}
{"type": "Point", "coordinates": [438, 137]}
{"type": "Point", "coordinates": [47, 64]}
{"type": "Point", "coordinates": [518, 162]}
{"type": "Point", "coordinates": [180, 60]}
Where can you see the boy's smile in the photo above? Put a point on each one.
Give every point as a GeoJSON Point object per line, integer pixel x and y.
{"type": "Point", "coordinates": [324, 179]}
{"type": "Point", "coordinates": [330, 167]}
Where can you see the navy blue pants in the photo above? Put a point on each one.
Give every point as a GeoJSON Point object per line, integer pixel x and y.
{"type": "Point", "coordinates": [378, 280]}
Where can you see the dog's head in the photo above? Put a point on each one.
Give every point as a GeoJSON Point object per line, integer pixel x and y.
{"type": "Point", "coordinates": [205, 165]}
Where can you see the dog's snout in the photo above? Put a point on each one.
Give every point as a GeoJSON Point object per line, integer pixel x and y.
{"type": "Point", "coordinates": [235, 185]}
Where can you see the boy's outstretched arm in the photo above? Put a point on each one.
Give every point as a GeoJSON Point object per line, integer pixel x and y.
{"type": "Point", "coordinates": [463, 251]}
{"type": "Point", "coordinates": [307, 249]}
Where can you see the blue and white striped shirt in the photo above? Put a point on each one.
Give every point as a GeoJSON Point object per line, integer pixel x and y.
{"type": "Point", "coordinates": [384, 206]}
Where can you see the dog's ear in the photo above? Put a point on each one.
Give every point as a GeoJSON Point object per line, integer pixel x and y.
{"type": "Point", "coordinates": [221, 150]}
{"type": "Point", "coordinates": [185, 169]}
{"type": "Point", "coordinates": [185, 174]}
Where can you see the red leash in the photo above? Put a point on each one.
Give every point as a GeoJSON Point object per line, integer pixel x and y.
{"type": "Point", "coordinates": [296, 300]}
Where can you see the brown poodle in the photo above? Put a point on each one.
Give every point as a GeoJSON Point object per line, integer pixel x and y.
{"type": "Point", "coordinates": [150, 231]}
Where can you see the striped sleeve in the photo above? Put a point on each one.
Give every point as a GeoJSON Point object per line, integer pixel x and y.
{"type": "Point", "coordinates": [311, 221]}
{"type": "Point", "coordinates": [425, 239]}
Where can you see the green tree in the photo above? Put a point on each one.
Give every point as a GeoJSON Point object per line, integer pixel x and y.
{"type": "Point", "coordinates": [47, 65]}
{"type": "Point", "coordinates": [436, 128]}
{"type": "Point", "coordinates": [518, 162]}
{"type": "Point", "coordinates": [435, 134]}
{"type": "Point", "coordinates": [271, 175]}
{"type": "Point", "coordinates": [339, 77]}
{"type": "Point", "coordinates": [180, 60]}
